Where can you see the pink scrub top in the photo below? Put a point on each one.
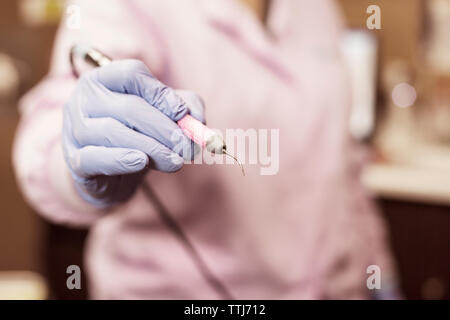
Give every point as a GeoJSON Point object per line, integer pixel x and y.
{"type": "Point", "coordinates": [309, 231]}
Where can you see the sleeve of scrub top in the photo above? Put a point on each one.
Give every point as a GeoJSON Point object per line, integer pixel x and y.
{"type": "Point", "coordinates": [37, 153]}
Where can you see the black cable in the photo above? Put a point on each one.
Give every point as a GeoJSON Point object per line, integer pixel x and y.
{"type": "Point", "coordinates": [178, 232]}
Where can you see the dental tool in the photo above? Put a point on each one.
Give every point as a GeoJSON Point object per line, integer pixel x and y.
{"type": "Point", "coordinates": [192, 128]}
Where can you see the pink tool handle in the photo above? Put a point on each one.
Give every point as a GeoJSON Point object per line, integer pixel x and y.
{"type": "Point", "coordinates": [195, 130]}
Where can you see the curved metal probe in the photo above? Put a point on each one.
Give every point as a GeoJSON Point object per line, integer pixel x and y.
{"type": "Point", "coordinates": [224, 150]}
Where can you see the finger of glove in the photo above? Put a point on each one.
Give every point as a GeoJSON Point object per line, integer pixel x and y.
{"type": "Point", "coordinates": [98, 160]}
{"type": "Point", "coordinates": [134, 77]}
{"type": "Point", "coordinates": [109, 132]}
{"type": "Point", "coordinates": [195, 104]}
{"type": "Point", "coordinates": [135, 113]}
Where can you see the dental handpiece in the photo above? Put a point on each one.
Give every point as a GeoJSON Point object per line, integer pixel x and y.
{"type": "Point", "coordinates": [191, 127]}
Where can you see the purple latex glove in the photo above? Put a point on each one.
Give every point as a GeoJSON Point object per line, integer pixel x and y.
{"type": "Point", "coordinates": [119, 122]}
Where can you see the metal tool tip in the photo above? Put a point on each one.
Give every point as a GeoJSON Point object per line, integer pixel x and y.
{"type": "Point", "coordinates": [224, 150]}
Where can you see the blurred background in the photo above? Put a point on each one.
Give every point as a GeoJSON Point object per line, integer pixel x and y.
{"type": "Point", "coordinates": [401, 111]}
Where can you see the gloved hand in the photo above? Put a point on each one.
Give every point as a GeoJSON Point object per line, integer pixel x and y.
{"type": "Point", "coordinates": [119, 122]}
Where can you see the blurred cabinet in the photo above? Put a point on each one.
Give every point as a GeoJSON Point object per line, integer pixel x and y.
{"type": "Point", "coordinates": [20, 229]}
{"type": "Point", "coordinates": [402, 28]}
{"type": "Point", "coordinates": [420, 238]}
{"type": "Point", "coordinates": [64, 247]}
{"type": "Point", "coordinates": [401, 25]}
